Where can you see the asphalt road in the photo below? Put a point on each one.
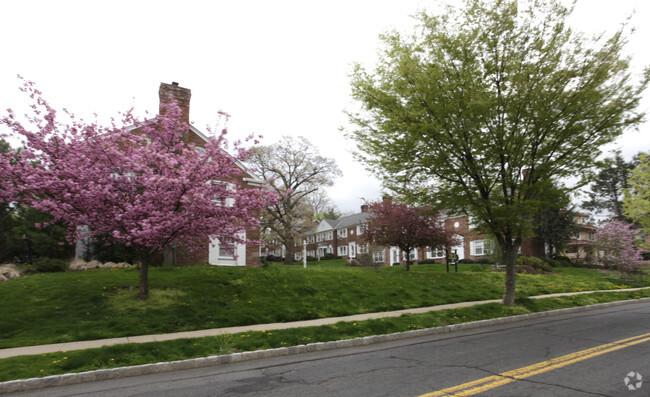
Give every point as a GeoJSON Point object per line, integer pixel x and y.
{"type": "Point", "coordinates": [566, 355]}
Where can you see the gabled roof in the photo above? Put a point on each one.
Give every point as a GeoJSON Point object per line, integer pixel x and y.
{"type": "Point", "coordinates": [352, 220]}
{"type": "Point", "coordinates": [324, 225]}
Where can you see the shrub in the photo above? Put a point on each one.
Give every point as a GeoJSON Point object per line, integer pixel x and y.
{"type": "Point", "coordinates": [482, 261]}
{"type": "Point", "coordinates": [50, 265]}
{"type": "Point", "coordinates": [526, 269]}
{"type": "Point", "coordinates": [529, 261]}
{"type": "Point", "coordinates": [365, 260]}
{"type": "Point", "coordinates": [328, 257]}
{"type": "Point", "coordinates": [467, 261]}
{"type": "Point", "coordinates": [427, 262]}
{"type": "Point", "coordinates": [540, 265]}
{"type": "Point", "coordinates": [562, 260]}
{"type": "Point", "coordinates": [353, 263]}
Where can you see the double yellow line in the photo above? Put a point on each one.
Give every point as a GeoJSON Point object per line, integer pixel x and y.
{"type": "Point", "coordinates": [490, 382]}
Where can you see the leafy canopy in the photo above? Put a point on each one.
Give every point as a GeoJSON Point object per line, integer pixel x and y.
{"type": "Point", "coordinates": [483, 108]}
{"type": "Point", "coordinates": [637, 196]}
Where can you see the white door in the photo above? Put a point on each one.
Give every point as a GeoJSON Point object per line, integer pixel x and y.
{"type": "Point", "coordinates": [352, 250]}
{"type": "Point", "coordinates": [394, 255]}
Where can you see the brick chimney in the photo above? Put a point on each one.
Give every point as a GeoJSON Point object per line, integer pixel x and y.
{"type": "Point", "coordinates": [365, 208]}
{"type": "Point", "coordinates": [387, 198]}
{"type": "Point", "coordinates": [181, 96]}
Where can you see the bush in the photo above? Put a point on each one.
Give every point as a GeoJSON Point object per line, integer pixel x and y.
{"type": "Point", "coordinates": [538, 264]}
{"type": "Point", "coordinates": [467, 261]}
{"type": "Point", "coordinates": [645, 255]}
{"type": "Point", "coordinates": [562, 260]}
{"type": "Point", "coordinates": [353, 263]}
{"type": "Point", "coordinates": [427, 262]}
{"type": "Point", "coordinates": [365, 260]}
{"type": "Point", "coordinates": [482, 261]}
{"type": "Point", "coordinates": [50, 265]}
{"type": "Point", "coordinates": [526, 269]}
{"type": "Point", "coordinates": [328, 257]}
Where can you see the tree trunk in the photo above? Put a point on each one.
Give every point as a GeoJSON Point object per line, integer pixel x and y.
{"type": "Point", "coordinates": [510, 261]}
{"type": "Point", "coordinates": [144, 279]}
{"type": "Point", "coordinates": [145, 256]}
{"type": "Point", "coordinates": [288, 258]}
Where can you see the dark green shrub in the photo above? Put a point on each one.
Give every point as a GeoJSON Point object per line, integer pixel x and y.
{"type": "Point", "coordinates": [530, 261]}
{"type": "Point", "coordinates": [427, 262]}
{"type": "Point", "coordinates": [482, 261]}
{"type": "Point", "coordinates": [562, 260]}
{"type": "Point", "coordinates": [50, 265]}
{"type": "Point", "coordinates": [467, 261]}
{"type": "Point", "coordinates": [526, 269]}
{"type": "Point", "coordinates": [328, 257]}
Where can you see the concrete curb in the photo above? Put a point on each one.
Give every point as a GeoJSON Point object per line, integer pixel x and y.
{"type": "Point", "coordinates": [147, 369]}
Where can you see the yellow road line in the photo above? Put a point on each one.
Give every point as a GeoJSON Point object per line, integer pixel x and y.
{"type": "Point", "coordinates": [490, 382]}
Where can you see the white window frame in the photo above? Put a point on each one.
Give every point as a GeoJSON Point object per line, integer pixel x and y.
{"type": "Point", "coordinates": [379, 256]}
{"type": "Point", "coordinates": [343, 250]}
{"type": "Point", "coordinates": [481, 247]}
{"type": "Point", "coordinates": [361, 229]}
{"type": "Point", "coordinates": [435, 253]}
{"type": "Point", "coordinates": [342, 233]}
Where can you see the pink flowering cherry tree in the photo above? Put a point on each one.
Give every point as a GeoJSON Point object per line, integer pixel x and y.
{"type": "Point", "coordinates": [141, 183]}
{"type": "Point", "coordinates": [615, 241]}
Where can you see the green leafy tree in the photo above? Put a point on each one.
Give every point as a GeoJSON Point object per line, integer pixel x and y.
{"type": "Point", "coordinates": [637, 197]}
{"type": "Point", "coordinates": [556, 226]}
{"type": "Point", "coordinates": [606, 191]}
{"type": "Point", "coordinates": [46, 237]}
{"type": "Point", "coordinates": [485, 107]}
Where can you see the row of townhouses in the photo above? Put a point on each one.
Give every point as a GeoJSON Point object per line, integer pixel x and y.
{"type": "Point", "coordinates": [344, 238]}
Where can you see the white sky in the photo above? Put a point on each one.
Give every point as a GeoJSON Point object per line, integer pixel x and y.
{"type": "Point", "coordinates": [278, 67]}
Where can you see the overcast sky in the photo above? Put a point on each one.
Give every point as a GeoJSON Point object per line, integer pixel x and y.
{"type": "Point", "coordinates": [278, 67]}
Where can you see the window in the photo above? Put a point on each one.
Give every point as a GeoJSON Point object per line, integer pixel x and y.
{"type": "Point", "coordinates": [226, 248]}
{"type": "Point", "coordinates": [481, 247]}
{"type": "Point", "coordinates": [342, 233]}
{"type": "Point", "coordinates": [378, 256]}
{"type": "Point", "coordinates": [361, 229]}
{"type": "Point", "coordinates": [413, 255]}
{"type": "Point", "coordinates": [363, 248]}
{"type": "Point", "coordinates": [228, 201]}
{"type": "Point", "coordinates": [436, 252]}
{"type": "Point", "coordinates": [343, 250]}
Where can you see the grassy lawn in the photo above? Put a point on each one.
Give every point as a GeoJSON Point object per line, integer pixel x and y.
{"type": "Point", "coordinates": [134, 354]}
{"type": "Point", "coordinates": [95, 304]}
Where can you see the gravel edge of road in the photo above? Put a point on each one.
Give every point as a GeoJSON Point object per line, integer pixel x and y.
{"type": "Point", "coordinates": [147, 369]}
